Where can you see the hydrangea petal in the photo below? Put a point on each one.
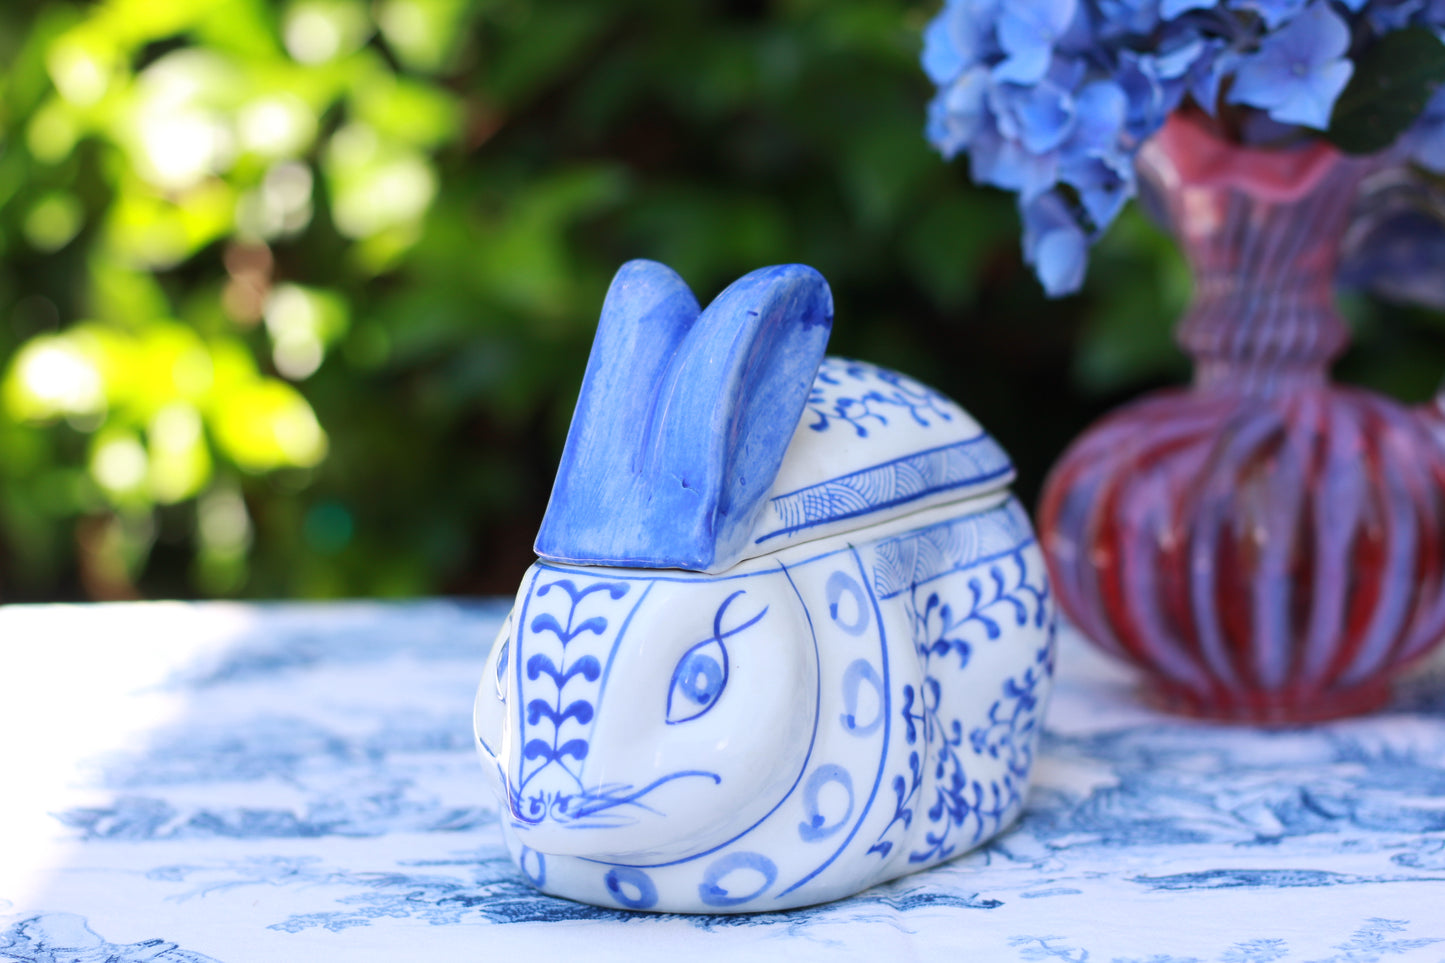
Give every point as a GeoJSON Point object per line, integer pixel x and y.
{"type": "Point", "coordinates": [1169, 9]}
{"type": "Point", "coordinates": [1122, 18]}
{"type": "Point", "coordinates": [1041, 117]}
{"type": "Point", "coordinates": [1029, 52]}
{"type": "Point", "coordinates": [1272, 12]}
{"type": "Point", "coordinates": [1387, 15]}
{"type": "Point", "coordinates": [1151, 97]}
{"type": "Point", "coordinates": [1101, 108]}
{"type": "Point", "coordinates": [1427, 143]}
{"type": "Point", "coordinates": [1299, 71]}
{"type": "Point", "coordinates": [1027, 33]}
{"type": "Point", "coordinates": [1313, 105]}
{"type": "Point", "coordinates": [956, 113]}
{"type": "Point", "coordinates": [1103, 191]}
{"type": "Point", "coordinates": [1001, 162]}
{"type": "Point", "coordinates": [1207, 77]}
{"type": "Point", "coordinates": [953, 41]}
{"type": "Point", "coordinates": [1054, 244]}
{"type": "Point", "coordinates": [1044, 93]}
{"type": "Point", "coordinates": [1176, 61]}
{"type": "Point", "coordinates": [942, 60]}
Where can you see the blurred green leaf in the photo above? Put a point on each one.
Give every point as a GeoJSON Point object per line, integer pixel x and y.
{"type": "Point", "coordinates": [522, 252]}
{"type": "Point", "coordinates": [53, 220]}
{"type": "Point", "coordinates": [295, 298]}
{"type": "Point", "coordinates": [1128, 335]}
{"type": "Point", "coordinates": [531, 45]}
{"type": "Point", "coordinates": [266, 424]}
{"type": "Point", "coordinates": [425, 34]}
{"type": "Point", "coordinates": [1392, 82]}
{"type": "Point", "coordinates": [408, 111]}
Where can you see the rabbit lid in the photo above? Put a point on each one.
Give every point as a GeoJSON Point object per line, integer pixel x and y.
{"type": "Point", "coordinates": [703, 438]}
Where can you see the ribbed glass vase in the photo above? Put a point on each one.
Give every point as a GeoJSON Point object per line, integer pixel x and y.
{"type": "Point", "coordinates": [1266, 546]}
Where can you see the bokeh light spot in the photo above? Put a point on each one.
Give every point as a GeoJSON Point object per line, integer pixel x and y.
{"type": "Point", "coordinates": [266, 424]}
{"type": "Point", "coordinates": [179, 131]}
{"type": "Point", "coordinates": [119, 463]}
{"type": "Point", "coordinates": [81, 68]}
{"type": "Point", "coordinates": [53, 221]}
{"type": "Point", "coordinates": [280, 126]}
{"type": "Point", "coordinates": [222, 521]}
{"type": "Point", "coordinates": [52, 376]}
{"type": "Point", "coordinates": [388, 194]}
{"type": "Point", "coordinates": [316, 31]}
{"type": "Point", "coordinates": [300, 323]}
{"type": "Point", "coordinates": [52, 132]}
{"type": "Point", "coordinates": [280, 206]}
{"type": "Point", "coordinates": [183, 147]}
{"type": "Point", "coordinates": [180, 464]}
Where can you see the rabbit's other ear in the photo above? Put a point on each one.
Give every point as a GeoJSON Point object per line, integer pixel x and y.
{"type": "Point", "coordinates": [728, 410]}
{"type": "Point", "coordinates": [648, 312]}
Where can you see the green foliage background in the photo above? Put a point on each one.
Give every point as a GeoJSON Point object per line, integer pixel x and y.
{"type": "Point", "coordinates": [295, 298]}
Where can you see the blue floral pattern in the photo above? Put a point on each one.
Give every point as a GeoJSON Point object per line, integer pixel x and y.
{"type": "Point", "coordinates": [555, 725]}
{"type": "Point", "coordinates": [963, 809]}
{"type": "Point", "coordinates": [858, 397]}
{"type": "Point", "coordinates": [67, 938]}
{"type": "Point", "coordinates": [976, 462]}
{"type": "Point", "coordinates": [836, 642]}
{"type": "Point", "coordinates": [908, 448]}
{"type": "Point", "coordinates": [300, 782]}
{"type": "Point", "coordinates": [919, 557]}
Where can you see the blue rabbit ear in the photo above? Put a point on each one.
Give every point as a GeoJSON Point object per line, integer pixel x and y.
{"type": "Point", "coordinates": [733, 399]}
{"type": "Point", "coordinates": [647, 313]}
{"type": "Point", "coordinates": [707, 437]}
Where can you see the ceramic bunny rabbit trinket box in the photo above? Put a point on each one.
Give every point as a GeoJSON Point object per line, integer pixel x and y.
{"type": "Point", "coordinates": [789, 634]}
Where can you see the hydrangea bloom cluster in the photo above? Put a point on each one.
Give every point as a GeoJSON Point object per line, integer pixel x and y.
{"type": "Point", "coordinates": [1052, 98]}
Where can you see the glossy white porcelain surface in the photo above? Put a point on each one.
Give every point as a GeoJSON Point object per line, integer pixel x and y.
{"type": "Point", "coordinates": [791, 731]}
{"type": "Point", "coordinates": [789, 635]}
{"type": "Point", "coordinates": [873, 445]}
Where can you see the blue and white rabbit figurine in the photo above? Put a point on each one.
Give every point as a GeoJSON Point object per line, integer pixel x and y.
{"type": "Point", "coordinates": [789, 635]}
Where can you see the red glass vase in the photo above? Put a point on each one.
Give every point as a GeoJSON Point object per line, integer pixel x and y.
{"type": "Point", "coordinates": [1266, 546]}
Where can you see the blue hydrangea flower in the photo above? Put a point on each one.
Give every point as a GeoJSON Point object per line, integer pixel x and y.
{"type": "Point", "coordinates": [1051, 99]}
{"type": "Point", "coordinates": [1386, 15]}
{"type": "Point", "coordinates": [957, 113]}
{"type": "Point", "coordinates": [1206, 78]}
{"type": "Point", "coordinates": [1396, 252]}
{"type": "Point", "coordinates": [1027, 33]}
{"type": "Point", "coordinates": [958, 38]}
{"type": "Point", "coordinates": [1091, 160]}
{"type": "Point", "coordinates": [1134, 18]}
{"type": "Point", "coordinates": [1427, 145]}
{"type": "Point", "coordinates": [1054, 245]}
{"type": "Point", "coordinates": [1298, 71]}
{"type": "Point", "coordinates": [1274, 13]}
{"type": "Point", "coordinates": [1432, 14]}
{"type": "Point", "coordinates": [1169, 9]}
{"type": "Point", "coordinates": [1001, 162]}
{"type": "Point", "coordinates": [1154, 85]}
{"type": "Point", "coordinates": [1040, 117]}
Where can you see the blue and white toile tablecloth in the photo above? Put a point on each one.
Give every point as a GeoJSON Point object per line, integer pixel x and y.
{"type": "Point", "coordinates": [185, 783]}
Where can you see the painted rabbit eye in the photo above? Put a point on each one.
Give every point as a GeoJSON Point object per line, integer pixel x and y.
{"type": "Point", "coordinates": [697, 682]}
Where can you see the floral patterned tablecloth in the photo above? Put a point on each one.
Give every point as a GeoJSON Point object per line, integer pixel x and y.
{"type": "Point", "coordinates": [220, 782]}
